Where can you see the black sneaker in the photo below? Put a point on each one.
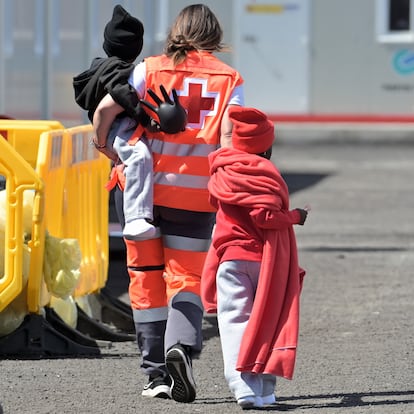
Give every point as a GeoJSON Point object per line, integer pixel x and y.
{"type": "Point", "coordinates": [179, 366]}
{"type": "Point", "coordinates": [158, 387]}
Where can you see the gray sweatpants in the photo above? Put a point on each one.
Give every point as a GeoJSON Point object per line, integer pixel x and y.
{"type": "Point", "coordinates": [138, 192]}
{"type": "Point", "coordinates": [236, 287]}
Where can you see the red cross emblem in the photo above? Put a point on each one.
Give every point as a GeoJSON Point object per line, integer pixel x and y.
{"type": "Point", "coordinates": [198, 101]}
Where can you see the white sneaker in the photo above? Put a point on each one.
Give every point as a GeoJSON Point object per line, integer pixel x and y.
{"type": "Point", "coordinates": [158, 387]}
{"type": "Point", "coordinates": [269, 399]}
{"type": "Point", "coordinates": [179, 365]}
{"type": "Point", "coordinates": [249, 402]}
{"type": "Point", "coordinates": [137, 229]}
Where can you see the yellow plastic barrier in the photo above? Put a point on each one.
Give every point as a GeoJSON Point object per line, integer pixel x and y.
{"type": "Point", "coordinates": [66, 186]}
{"type": "Point", "coordinates": [70, 202]}
{"type": "Point", "coordinates": [24, 135]}
{"type": "Point", "coordinates": [84, 210]}
{"type": "Point", "coordinates": [88, 174]}
{"type": "Point", "coordinates": [21, 177]}
{"type": "Point", "coordinates": [52, 164]}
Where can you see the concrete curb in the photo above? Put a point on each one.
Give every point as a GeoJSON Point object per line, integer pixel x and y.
{"type": "Point", "coordinates": [344, 133]}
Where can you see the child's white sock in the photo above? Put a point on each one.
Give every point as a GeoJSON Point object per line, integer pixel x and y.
{"type": "Point", "coordinates": [268, 399]}
{"type": "Point", "coordinates": [137, 229]}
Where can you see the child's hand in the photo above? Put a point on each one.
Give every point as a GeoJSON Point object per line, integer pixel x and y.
{"type": "Point", "coordinates": [109, 153]}
{"type": "Point", "coordinates": [303, 215]}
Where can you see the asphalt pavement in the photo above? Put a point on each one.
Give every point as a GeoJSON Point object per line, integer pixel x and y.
{"type": "Point", "coordinates": [356, 346]}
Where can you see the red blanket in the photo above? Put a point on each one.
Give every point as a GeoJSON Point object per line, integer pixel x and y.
{"type": "Point", "coordinates": [270, 340]}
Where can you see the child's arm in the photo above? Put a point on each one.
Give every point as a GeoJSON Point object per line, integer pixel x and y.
{"type": "Point", "coordinates": [278, 220]}
{"type": "Point", "coordinates": [226, 129]}
{"type": "Point", "coordinates": [103, 118]}
{"type": "Point", "coordinates": [208, 281]}
{"type": "Point", "coordinates": [126, 96]}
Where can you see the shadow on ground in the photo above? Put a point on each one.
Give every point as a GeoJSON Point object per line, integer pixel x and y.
{"type": "Point", "coordinates": [320, 401]}
{"type": "Point", "coordinates": [345, 400]}
{"type": "Point", "coordinates": [298, 181]}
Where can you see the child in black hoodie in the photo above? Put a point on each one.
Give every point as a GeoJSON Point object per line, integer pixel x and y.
{"type": "Point", "coordinates": [123, 41]}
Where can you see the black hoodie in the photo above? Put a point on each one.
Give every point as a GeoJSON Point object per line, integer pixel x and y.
{"type": "Point", "coordinates": [108, 75]}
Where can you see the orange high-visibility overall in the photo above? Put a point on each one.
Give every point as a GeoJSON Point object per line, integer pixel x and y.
{"type": "Point", "coordinates": [165, 271]}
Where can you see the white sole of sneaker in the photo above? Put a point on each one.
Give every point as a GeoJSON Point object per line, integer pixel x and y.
{"type": "Point", "coordinates": [183, 385]}
{"type": "Point", "coordinates": [160, 391]}
{"type": "Point", "coordinates": [249, 403]}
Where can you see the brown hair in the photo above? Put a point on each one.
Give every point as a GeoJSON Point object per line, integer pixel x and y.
{"type": "Point", "coordinates": [195, 28]}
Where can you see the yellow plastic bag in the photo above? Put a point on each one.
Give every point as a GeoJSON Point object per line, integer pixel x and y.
{"type": "Point", "coordinates": [66, 309]}
{"type": "Point", "coordinates": [13, 315]}
{"type": "Point", "coordinates": [61, 265]}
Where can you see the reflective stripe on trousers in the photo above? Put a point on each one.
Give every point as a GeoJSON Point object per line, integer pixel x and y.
{"type": "Point", "coordinates": [153, 284]}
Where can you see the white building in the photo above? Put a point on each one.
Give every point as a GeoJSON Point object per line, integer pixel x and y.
{"type": "Point", "coordinates": [299, 58]}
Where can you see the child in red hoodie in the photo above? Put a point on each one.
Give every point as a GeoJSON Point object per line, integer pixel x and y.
{"type": "Point", "coordinates": [251, 276]}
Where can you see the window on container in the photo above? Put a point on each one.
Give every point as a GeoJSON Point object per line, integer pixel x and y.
{"type": "Point", "coordinates": [395, 21]}
{"type": "Point", "coordinates": [399, 15]}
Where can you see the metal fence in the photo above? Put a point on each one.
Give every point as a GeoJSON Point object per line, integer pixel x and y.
{"type": "Point", "coordinates": [44, 43]}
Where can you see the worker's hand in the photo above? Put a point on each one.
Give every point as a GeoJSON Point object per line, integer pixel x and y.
{"type": "Point", "coordinates": [172, 117]}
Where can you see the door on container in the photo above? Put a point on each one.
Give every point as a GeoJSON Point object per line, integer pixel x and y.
{"type": "Point", "coordinates": [271, 47]}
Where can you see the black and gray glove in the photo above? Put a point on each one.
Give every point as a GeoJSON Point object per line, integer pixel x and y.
{"type": "Point", "coordinates": [172, 117]}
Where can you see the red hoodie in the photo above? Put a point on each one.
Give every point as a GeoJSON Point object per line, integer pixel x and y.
{"type": "Point", "coordinates": [254, 223]}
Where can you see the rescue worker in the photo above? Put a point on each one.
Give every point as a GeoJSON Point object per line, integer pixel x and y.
{"type": "Point", "coordinates": [165, 270]}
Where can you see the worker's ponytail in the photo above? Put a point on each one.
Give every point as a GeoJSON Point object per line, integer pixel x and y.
{"type": "Point", "coordinates": [195, 28]}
